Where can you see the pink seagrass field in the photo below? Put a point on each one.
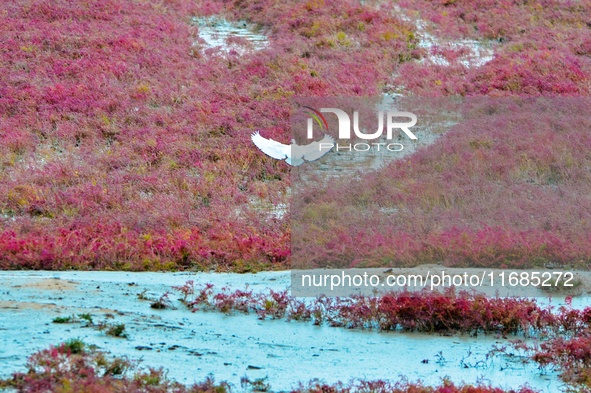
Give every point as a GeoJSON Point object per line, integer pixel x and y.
{"type": "Point", "coordinates": [126, 142]}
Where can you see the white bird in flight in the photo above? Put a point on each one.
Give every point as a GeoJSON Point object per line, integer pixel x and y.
{"type": "Point", "coordinates": [293, 154]}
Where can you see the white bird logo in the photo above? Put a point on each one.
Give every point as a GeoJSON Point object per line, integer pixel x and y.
{"type": "Point", "coordinates": [293, 154]}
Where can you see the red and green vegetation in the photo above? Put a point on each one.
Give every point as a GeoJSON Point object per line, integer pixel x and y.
{"type": "Point", "coordinates": [384, 387]}
{"type": "Point", "coordinates": [424, 311]}
{"type": "Point", "coordinates": [73, 367]}
{"type": "Point", "coordinates": [126, 146]}
{"type": "Point", "coordinates": [541, 47]}
{"type": "Point", "coordinates": [568, 354]}
{"type": "Point", "coordinates": [572, 357]}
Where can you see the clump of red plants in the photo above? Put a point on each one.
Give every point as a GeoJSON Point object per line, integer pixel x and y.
{"type": "Point", "coordinates": [403, 387]}
{"type": "Point", "coordinates": [423, 311]}
{"type": "Point", "coordinates": [571, 356]}
{"type": "Point", "coordinates": [75, 367]}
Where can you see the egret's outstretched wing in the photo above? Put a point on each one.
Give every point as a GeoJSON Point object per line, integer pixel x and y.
{"type": "Point", "coordinates": [271, 147]}
{"type": "Point", "coordinates": [315, 150]}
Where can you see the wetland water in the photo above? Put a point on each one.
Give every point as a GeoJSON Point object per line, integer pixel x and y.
{"type": "Point", "coordinates": [194, 345]}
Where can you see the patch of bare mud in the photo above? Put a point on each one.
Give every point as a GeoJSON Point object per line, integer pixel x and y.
{"type": "Point", "coordinates": [51, 284]}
